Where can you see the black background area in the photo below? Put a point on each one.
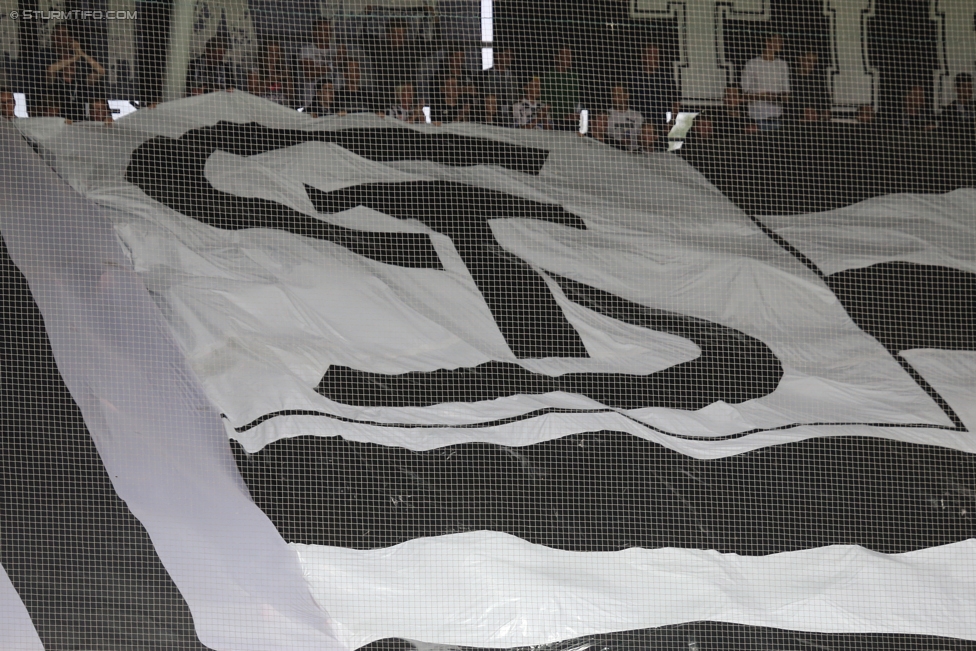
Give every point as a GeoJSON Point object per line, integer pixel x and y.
{"type": "Point", "coordinates": [905, 305]}
{"type": "Point", "coordinates": [811, 168]}
{"type": "Point", "coordinates": [81, 562]}
{"type": "Point", "coordinates": [609, 491]}
{"type": "Point", "coordinates": [721, 636]}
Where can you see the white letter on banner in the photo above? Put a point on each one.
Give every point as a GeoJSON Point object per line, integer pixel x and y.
{"type": "Point", "coordinates": [702, 68]}
{"type": "Point", "coordinates": [957, 44]}
{"type": "Point", "coordinates": [851, 81]}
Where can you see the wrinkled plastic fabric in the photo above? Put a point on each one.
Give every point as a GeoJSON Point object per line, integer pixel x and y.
{"type": "Point", "coordinates": [161, 441]}
{"type": "Point", "coordinates": [17, 632]}
{"type": "Point", "coordinates": [480, 588]}
{"type": "Point", "coordinates": [262, 314]}
{"type": "Point", "coordinates": [490, 589]}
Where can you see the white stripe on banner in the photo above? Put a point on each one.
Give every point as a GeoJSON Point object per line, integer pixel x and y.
{"type": "Point", "coordinates": [490, 589]}
{"type": "Point", "coordinates": [17, 632]}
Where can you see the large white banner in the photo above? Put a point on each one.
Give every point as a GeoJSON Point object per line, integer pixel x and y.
{"type": "Point", "coordinates": [355, 280]}
{"type": "Point", "coordinates": [491, 291]}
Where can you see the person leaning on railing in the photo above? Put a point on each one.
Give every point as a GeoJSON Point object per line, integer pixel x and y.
{"type": "Point", "coordinates": [320, 60]}
{"type": "Point", "coordinates": [455, 105]}
{"type": "Point", "coordinates": [623, 123]}
{"type": "Point", "coordinates": [808, 99]}
{"type": "Point", "coordinates": [271, 78]}
{"type": "Point", "coordinates": [530, 112]}
{"type": "Point", "coordinates": [501, 82]}
{"type": "Point", "coordinates": [350, 96]}
{"type": "Point", "coordinates": [653, 90]}
{"type": "Point", "coordinates": [405, 109]}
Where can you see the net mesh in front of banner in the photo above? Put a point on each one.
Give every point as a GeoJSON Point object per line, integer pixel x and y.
{"type": "Point", "coordinates": [488, 325]}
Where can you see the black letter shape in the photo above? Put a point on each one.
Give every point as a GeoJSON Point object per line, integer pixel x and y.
{"type": "Point", "coordinates": [525, 311]}
{"type": "Point", "coordinates": [905, 305]}
{"type": "Point", "coordinates": [733, 367]}
{"type": "Point", "coordinates": [172, 172]}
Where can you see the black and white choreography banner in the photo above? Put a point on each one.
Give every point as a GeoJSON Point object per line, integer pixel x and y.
{"type": "Point", "coordinates": [423, 288]}
{"type": "Point", "coordinates": [432, 287]}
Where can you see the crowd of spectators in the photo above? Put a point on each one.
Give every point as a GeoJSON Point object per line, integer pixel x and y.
{"type": "Point", "coordinates": [642, 108]}
{"type": "Point", "coordinates": [402, 75]}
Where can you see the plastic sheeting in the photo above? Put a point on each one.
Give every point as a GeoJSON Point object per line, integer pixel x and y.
{"type": "Point", "coordinates": [925, 230]}
{"type": "Point", "coordinates": [932, 229]}
{"type": "Point", "coordinates": [17, 632]}
{"type": "Point", "coordinates": [159, 438]}
{"type": "Point", "coordinates": [489, 589]}
{"type": "Point", "coordinates": [263, 314]}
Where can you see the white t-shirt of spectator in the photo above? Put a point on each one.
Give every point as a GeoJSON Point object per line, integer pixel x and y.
{"type": "Point", "coordinates": [525, 112]}
{"type": "Point", "coordinates": [762, 76]}
{"type": "Point", "coordinates": [624, 127]}
{"type": "Point", "coordinates": [321, 57]}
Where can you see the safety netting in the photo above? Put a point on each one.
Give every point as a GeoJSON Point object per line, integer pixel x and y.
{"type": "Point", "coordinates": [444, 325]}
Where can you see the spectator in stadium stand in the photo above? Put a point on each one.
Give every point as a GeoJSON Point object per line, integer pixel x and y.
{"type": "Point", "coordinates": [501, 82]}
{"type": "Point", "coordinates": [405, 110]}
{"type": "Point", "coordinates": [729, 120]}
{"type": "Point", "coordinates": [865, 114]}
{"type": "Point", "coordinates": [653, 89]}
{"type": "Point", "coordinates": [560, 92]}
{"type": "Point", "coordinates": [766, 83]}
{"type": "Point", "coordinates": [809, 93]}
{"type": "Point", "coordinates": [915, 115]}
{"type": "Point", "coordinates": [960, 114]}
{"type": "Point", "coordinates": [351, 97]}
{"type": "Point", "coordinates": [454, 106]}
{"type": "Point", "coordinates": [529, 112]}
{"type": "Point", "coordinates": [271, 79]}
{"type": "Point", "coordinates": [488, 113]}
{"type": "Point", "coordinates": [98, 111]}
{"type": "Point", "coordinates": [48, 107]}
{"type": "Point", "coordinates": [7, 105]}
{"type": "Point", "coordinates": [324, 103]}
{"type": "Point", "coordinates": [464, 81]}
{"type": "Point", "coordinates": [650, 141]}
{"type": "Point", "coordinates": [74, 76]}
{"type": "Point", "coordinates": [703, 128]}
{"type": "Point", "coordinates": [623, 123]}
{"type": "Point", "coordinates": [598, 127]}
{"type": "Point", "coordinates": [210, 72]}
{"type": "Point", "coordinates": [396, 56]}
{"type": "Point", "coordinates": [320, 60]}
